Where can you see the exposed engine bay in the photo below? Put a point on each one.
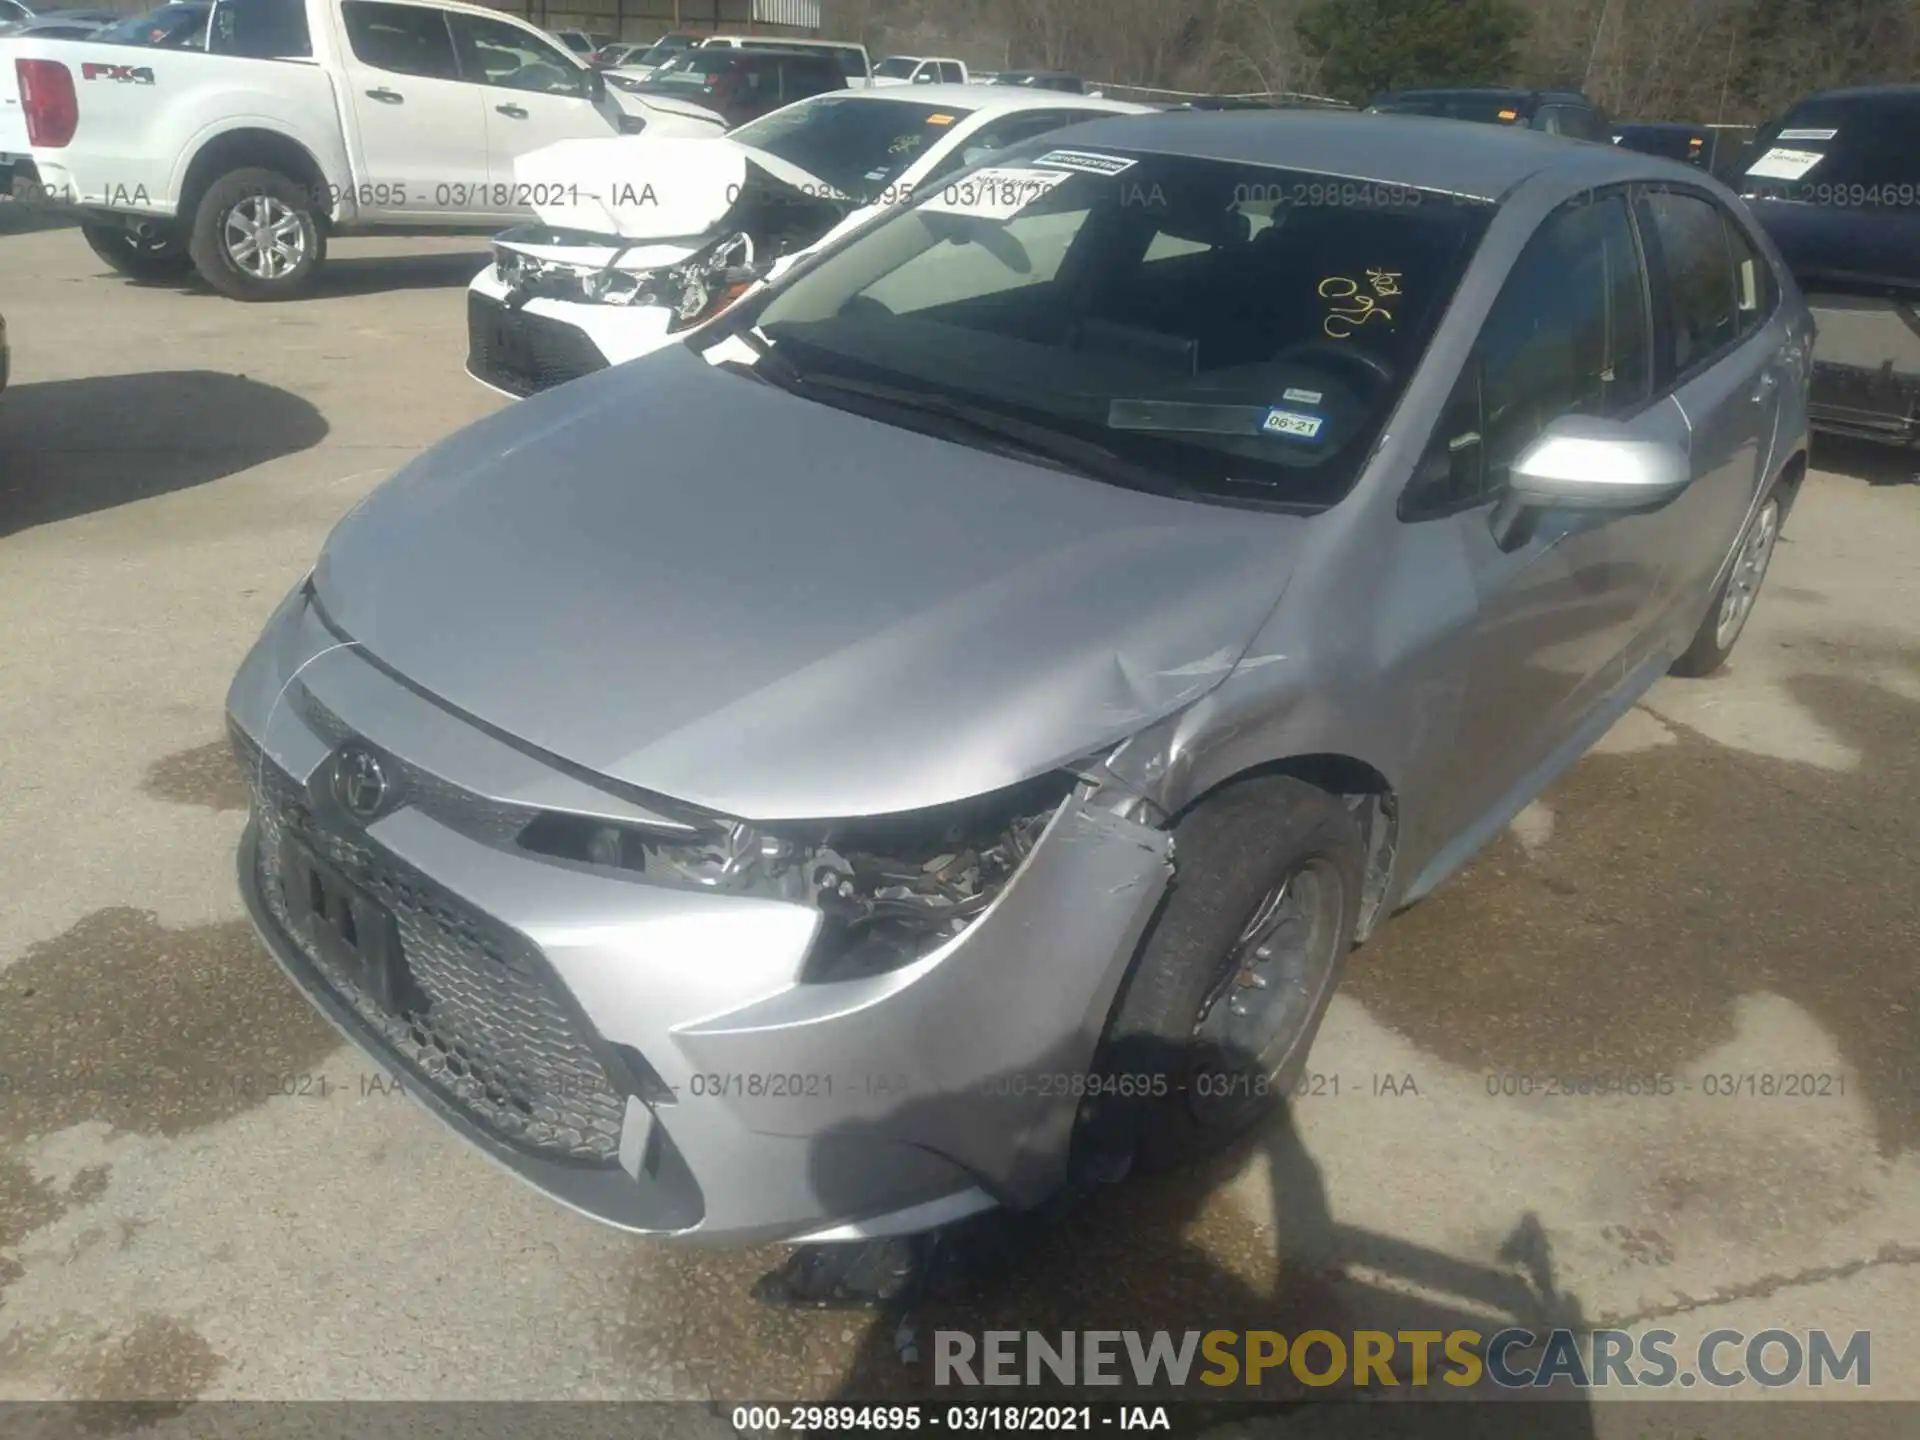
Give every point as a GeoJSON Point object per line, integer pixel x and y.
{"type": "Point", "coordinates": [694, 276]}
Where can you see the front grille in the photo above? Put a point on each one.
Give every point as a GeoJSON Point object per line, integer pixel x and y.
{"type": "Point", "coordinates": [487, 1025]}
{"type": "Point", "coordinates": [523, 353]}
{"type": "Point", "coordinates": [492, 822]}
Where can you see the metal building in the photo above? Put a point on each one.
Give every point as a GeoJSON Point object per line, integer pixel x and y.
{"type": "Point", "coordinates": [650, 19]}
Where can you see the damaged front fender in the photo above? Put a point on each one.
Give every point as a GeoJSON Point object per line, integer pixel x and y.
{"type": "Point", "coordinates": [973, 1052]}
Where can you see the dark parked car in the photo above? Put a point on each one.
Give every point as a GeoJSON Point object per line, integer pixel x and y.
{"type": "Point", "coordinates": [64, 25]}
{"type": "Point", "coordinates": [1720, 150]}
{"type": "Point", "coordinates": [1558, 112]}
{"type": "Point", "coordinates": [742, 85]}
{"type": "Point", "coordinates": [1836, 182]}
{"type": "Point", "coordinates": [171, 27]}
{"type": "Point", "coordinates": [1042, 80]}
{"type": "Point", "coordinates": [1691, 144]}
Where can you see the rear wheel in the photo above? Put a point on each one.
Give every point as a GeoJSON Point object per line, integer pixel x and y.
{"type": "Point", "coordinates": [1213, 1027]}
{"type": "Point", "coordinates": [255, 236]}
{"type": "Point", "coordinates": [1727, 616]}
{"type": "Point", "coordinates": [158, 255]}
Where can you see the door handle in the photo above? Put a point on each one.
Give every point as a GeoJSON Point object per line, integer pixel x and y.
{"type": "Point", "coordinates": [386, 97]}
{"type": "Point", "coordinates": [1765, 387]}
{"type": "Point", "coordinates": [512, 112]}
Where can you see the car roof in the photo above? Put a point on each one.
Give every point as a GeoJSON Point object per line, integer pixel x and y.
{"type": "Point", "coordinates": [1860, 92]}
{"type": "Point", "coordinates": [999, 97]}
{"type": "Point", "coordinates": [1491, 92]}
{"type": "Point", "coordinates": [1481, 162]}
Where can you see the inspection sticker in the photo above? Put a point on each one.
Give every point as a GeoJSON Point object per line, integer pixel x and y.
{"type": "Point", "coordinates": [998, 192]}
{"type": "Point", "coordinates": [1301, 397]}
{"type": "Point", "coordinates": [1086, 161]}
{"type": "Point", "coordinates": [1806, 134]}
{"type": "Point", "coordinates": [1293, 424]}
{"type": "Point", "coordinates": [1778, 164]}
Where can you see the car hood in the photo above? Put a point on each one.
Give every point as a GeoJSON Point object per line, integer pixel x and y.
{"type": "Point", "coordinates": [715, 591]}
{"type": "Point", "coordinates": [644, 187]}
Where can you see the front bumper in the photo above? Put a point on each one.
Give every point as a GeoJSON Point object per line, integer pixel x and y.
{"type": "Point", "coordinates": [522, 349]}
{"type": "Point", "coordinates": [646, 1054]}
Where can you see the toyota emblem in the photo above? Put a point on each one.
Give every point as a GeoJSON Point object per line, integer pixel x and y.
{"type": "Point", "coordinates": [359, 782]}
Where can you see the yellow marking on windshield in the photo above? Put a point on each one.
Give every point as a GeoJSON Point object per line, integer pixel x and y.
{"type": "Point", "coordinates": [1509, 114]}
{"type": "Point", "coordinates": [1356, 306]}
{"type": "Point", "coordinates": [939, 119]}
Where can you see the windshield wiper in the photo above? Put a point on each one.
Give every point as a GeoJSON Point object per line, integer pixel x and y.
{"type": "Point", "coordinates": [1025, 439]}
{"type": "Point", "coordinates": [769, 367]}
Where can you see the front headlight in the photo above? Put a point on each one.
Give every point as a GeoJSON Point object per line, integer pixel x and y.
{"type": "Point", "coordinates": [891, 888]}
{"type": "Point", "coordinates": [612, 287]}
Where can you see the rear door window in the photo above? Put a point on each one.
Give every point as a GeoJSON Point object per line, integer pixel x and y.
{"type": "Point", "coordinates": [1756, 293]}
{"type": "Point", "coordinates": [951, 73]}
{"type": "Point", "coordinates": [1702, 312]}
{"type": "Point", "coordinates": [260, 30]}
{"type": "Point", "coordinates": [402, 39]}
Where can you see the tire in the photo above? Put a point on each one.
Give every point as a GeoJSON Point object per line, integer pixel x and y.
{"type": "Point", "coordinates": [1233, 852]}
{"type": "Point", "coordinates": [164, 258]}
{"type": "Point", "coordinates": [1733, 601]}
{"type": "Point", "coordinates": [277, 201]}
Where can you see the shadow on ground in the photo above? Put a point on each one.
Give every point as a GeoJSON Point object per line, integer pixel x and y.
{"type": "Point", "coordinates": [1864, 460]}
{"type": "Point", "coordinates": [70, 447]}
{"type": "Point", "coordinates": [27, 217]}
{"type": "Point", "coordinates": [377, 274]}
{"type": "Point", "coordinates": [1679, 879]}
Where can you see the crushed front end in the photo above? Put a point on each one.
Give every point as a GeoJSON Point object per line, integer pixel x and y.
{"type": "Point", "coordinates": [680, 1023]}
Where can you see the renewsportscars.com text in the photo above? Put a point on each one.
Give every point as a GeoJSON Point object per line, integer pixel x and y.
{"type": "Point", "coordinates": [1513, 1359]}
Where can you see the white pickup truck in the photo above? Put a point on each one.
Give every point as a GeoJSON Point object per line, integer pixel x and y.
{"type": "Point", "coordinates": [303, 119]}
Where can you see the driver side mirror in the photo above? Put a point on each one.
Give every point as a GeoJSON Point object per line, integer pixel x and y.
{"type": "Point", "coordinates": [1582, 462]}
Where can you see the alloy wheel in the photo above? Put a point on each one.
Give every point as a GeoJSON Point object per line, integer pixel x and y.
{"type": "Point", "coordinates": [265, 237]}
{"type": "Point", "coordinates": [1749, 569]}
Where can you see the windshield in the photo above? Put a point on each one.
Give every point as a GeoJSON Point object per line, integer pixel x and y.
{"type": "Point", "coordinates": [1197, 322]}
{"type": "Point", "coordinates": [663, 51]}
{"type": "Point", "coordinates": [896, 67]}
{"type": "Point", "coordinates": [1845, 152]}
{"type": "Point", "coordinates": [694, 68]}
{"type": "Point", "coordinates": [858, 146]}
{"type": "Point", "coordinates": [1485, 109]}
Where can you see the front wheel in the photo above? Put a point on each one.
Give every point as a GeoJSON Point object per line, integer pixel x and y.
{"type": "Point", "coordinates": [1213, 1026]}
{"type": "Point", "coordinates": [255, 236]}
{"type": "Point", "coordinates": [158, 255]}
{"type": "Point", "coordinates": [1733, 602]}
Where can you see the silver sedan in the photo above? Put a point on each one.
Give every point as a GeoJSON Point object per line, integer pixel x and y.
{"type": "Point", "coordinates": [935, 736]}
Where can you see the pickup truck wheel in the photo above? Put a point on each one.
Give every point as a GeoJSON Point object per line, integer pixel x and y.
{"type": "Point", "coordinates": [255, 236]}
{"type": "Point", "coordinates": [1212, 1028]}
{"type": "Point", "coordinates": [157, 257]}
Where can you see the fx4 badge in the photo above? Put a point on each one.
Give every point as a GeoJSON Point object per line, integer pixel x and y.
{"type": "Point", "coordinates": [125, 74]}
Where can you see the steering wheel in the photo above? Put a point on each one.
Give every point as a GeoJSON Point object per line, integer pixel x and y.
{"type": "Point", "coordinates": [1341, 350]}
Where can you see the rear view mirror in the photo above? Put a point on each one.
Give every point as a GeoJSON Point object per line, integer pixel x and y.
{"type": "Point", "coordinates": [1582, 462]}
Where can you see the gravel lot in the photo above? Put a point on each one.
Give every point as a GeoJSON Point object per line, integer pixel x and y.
{"type": "Point", "coordinates": [1724, 888]}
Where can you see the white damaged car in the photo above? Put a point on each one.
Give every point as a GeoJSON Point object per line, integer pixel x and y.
{"type": "Point", "coordinates": [640, 238]}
